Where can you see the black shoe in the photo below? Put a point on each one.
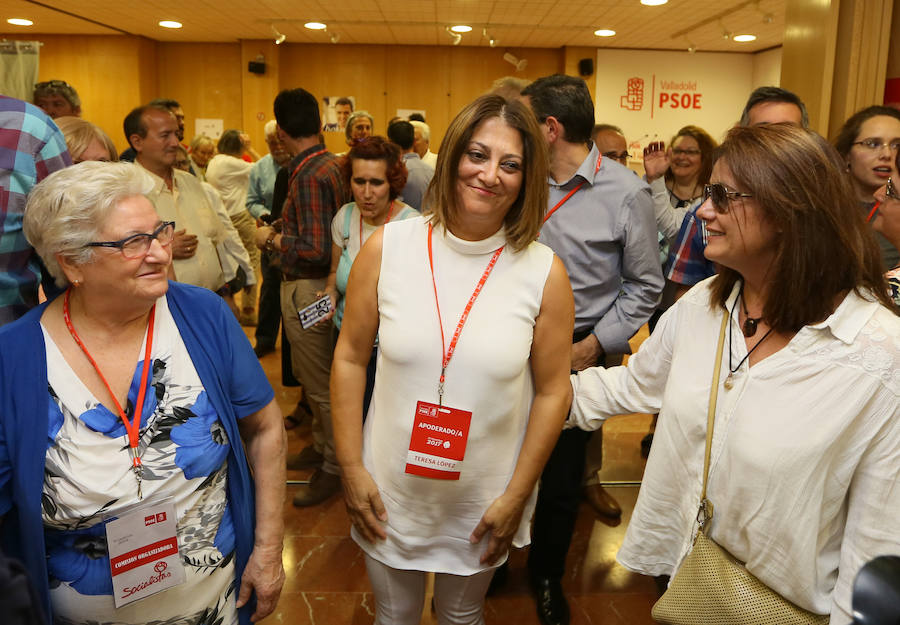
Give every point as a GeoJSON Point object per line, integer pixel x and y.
{"type": "Point", "coordinates": [552, 607]}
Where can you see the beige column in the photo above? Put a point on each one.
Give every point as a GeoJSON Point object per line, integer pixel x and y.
{"type": "Point", "coordinates": [835, 56]}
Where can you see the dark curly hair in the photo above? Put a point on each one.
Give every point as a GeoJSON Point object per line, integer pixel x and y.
{"type": "Point", "coordinates": [378, 148]}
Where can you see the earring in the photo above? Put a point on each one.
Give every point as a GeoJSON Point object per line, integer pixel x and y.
{"type": "Point", "coordinates": [76, 283]}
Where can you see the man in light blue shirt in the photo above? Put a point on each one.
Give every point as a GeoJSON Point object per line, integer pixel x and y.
{"type": "Point", "coordinates": [259, 204]}
{"type": "Point", "coordinates": [600, 222]}
{"type": "Point", "coordinates": [403, 134]}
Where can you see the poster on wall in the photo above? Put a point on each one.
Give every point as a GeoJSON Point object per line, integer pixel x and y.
{"type": "Point", "coordinates": [336, 111]}
{"type": "Point", "coordinates": [651, 94]}
{"type": "Point", "coordinates": [212, 128]}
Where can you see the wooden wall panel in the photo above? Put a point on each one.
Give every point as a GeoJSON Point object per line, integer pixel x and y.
{"type": "Point", "coordinates": [108, 71]}
{"type": "Point", "coordinates": [205, 78]}
{"type": "Point", "coordinates": [259, 90]}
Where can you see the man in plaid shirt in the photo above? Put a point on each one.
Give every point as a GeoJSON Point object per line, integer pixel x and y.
{"type": "Point", "coordinates": [31, 148]}
{"type": "Point", "coordinates": [315, 193]}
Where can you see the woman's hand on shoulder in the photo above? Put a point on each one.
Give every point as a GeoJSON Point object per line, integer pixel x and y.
{"type": "Point", "coordinates": [501, 520]}
{"type": "Point", "coordinates": [364, 505]}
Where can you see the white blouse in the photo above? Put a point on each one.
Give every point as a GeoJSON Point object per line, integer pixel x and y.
{"type": "Point", "coordinates": [805, 451]}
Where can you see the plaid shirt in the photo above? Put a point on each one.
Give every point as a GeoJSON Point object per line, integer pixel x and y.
{"type": "Point", "coordinates": [687, 264]}
{"type": "Point", "coordinates": [317, 190]}
{"type": "Point", "coordinates": [31, 148]}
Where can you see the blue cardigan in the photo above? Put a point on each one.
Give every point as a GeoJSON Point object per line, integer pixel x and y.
{"type": "Point", "coordinates": [231, 376]}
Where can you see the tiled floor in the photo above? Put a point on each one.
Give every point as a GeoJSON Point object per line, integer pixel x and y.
{"type": "Point", "coordinates": [326, 579]}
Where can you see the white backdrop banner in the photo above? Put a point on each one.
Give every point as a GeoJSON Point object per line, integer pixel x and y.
{"type": "Point", "coordinates": [651, 94]}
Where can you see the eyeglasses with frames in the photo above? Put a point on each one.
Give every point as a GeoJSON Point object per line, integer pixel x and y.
{"type": "Point", "coordinates": [890, 191]}
{"type": "Point", "coordinates": [878, 144]}
{"type": "Point", "coordinates": [53, 84]}
{"type": "Point", "coordinates": [616, 156]}
{"type": "Point", "coordinates": [137, 245]}
{"type": "Point", "coordinates": [683, 152]}
{"type": "Point", "coordinates": [720, 196]}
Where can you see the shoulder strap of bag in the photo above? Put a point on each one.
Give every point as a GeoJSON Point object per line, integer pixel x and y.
{"type": "Point", "coordinates": [705, 513]}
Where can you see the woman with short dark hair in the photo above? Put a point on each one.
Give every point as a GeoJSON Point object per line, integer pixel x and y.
{"type": "Point", "coordinates": [806, 435]}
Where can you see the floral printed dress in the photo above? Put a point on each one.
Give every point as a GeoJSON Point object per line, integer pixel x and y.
{"type": "Point", "coordinates": [88, 480]}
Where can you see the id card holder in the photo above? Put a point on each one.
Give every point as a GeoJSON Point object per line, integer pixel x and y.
{"type": "Point", "coordinates": [437, 445]}
{"type": "Point", "coordinates": [312, 314]}
{"type": "Point", "coordinates": [143, 551]}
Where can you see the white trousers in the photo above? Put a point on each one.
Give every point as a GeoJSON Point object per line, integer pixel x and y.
{"type": "Point", "coordinates": [400, 595]}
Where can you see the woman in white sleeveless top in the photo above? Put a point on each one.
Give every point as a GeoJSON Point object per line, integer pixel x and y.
{"type": "Point", "coordinates": [474, 320]}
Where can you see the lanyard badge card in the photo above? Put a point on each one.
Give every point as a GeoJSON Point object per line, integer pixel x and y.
{"type": "Point", "coordinates": [143, 551]}
{"type": "Point", "coordinates": [440, 433]}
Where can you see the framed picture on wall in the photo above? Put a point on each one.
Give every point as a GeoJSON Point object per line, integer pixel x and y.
{"type": "Point", "coordinates": [336, 112]}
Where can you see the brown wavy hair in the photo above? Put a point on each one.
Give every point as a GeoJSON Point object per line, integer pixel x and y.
{"type": "Point", "coordinates": [707, 147]}
{"type": "Point", "coordinates": [526, 215]}
{"type": "Point", "coordinates": [378, 148]}
{"type": "Point", "coordinates": [825, 248]}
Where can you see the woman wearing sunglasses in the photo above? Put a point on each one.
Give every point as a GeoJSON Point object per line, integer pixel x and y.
{"type": "Point", "coordinates": [128, 402]}
{"type": "Point", "coordinates": [806, 435]}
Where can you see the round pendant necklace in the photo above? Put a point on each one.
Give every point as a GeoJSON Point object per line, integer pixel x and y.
{"type": "Point", "coordinates": [750, 323]}
{"type": "Point", "coordinates": [729, 381]}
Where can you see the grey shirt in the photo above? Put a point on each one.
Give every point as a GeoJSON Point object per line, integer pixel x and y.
{"type": "Point", "coordinates": [420, 176]}
{"type": "Point", "coordinates": [605, 235]}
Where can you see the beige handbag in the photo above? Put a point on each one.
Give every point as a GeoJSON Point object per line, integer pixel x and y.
{"type": "Point", "coordinates": [711, 587]}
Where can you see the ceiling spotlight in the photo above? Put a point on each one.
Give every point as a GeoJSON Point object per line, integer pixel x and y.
{"type": "Point", "coordinates": [692, 48]}
{"type": "Point", "coordinates": [19, 21]}
{"type": "Point", "coordinates": [279, 37]}
{"type": "Point", "coordinates": [744, 38]}
{"type": "Point", "coordinates": [461, 28]}
{"type": "Point", "coordinates": [455, 37]}
{"type": "Point", "coordinates": [335, 37]}
{"type": "Point", "coordinates": [726, 34]}
{"type": "Point", "coordinates": [653, 3]}
{"type": "Point", "coordinates": [605, 32]}
{"type": "Point", "coordinates": [315, 26]}
{"type": "Point", "coordinates": [491, 41]}
{"type": "Point", "coordinates": [170, 24]}
{"type": "Point", "coordinates": [518, 63]}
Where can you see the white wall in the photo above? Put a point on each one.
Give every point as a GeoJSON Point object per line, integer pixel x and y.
{"type": "Point", "coordinates": [714, 87]}
{"type": "Point", "coordinates": [767, 68]}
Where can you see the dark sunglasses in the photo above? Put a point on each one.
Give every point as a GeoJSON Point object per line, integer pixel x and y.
{"type": "Point", "coordinates": [720, 196]}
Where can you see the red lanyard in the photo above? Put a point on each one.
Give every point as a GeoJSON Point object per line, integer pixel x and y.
{"type": "Point", "coordinates": [572, 192]}
{"type": "Point", "coordinates": [304, 161]}
{"type": "Point", "coordinates": [447, 354]}
{"type": "Point", "coordinates": [390, 212]}
{"type": "Point", "coordinates": [873, 211]}
{"type": "Point", "coordinates": [132, 427]}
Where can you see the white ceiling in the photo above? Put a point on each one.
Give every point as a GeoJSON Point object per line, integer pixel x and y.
{"type": "Point", "coordinates": [513, 23]}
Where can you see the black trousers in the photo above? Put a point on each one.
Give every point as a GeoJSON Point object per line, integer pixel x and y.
{"type": "Point", "coordinates": [559, 496]}
{"type": "Point", "coordinates": [269, 318]}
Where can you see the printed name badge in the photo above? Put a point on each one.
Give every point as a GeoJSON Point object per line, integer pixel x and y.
{"type": "Point", "coordinates": [438, 441]}
{"type": "Point", "coordinates": [312, 314]}
{"type": "Point", "coordinates": [143, 552]}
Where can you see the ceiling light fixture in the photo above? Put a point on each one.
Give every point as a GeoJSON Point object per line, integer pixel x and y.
{"type": "Point", "coordinates": [605, 32]}
{"type": "Point", "coordinates": [461, 28]}
{"type": "Point", "coordinates": [491, 41]}
{"type": "Point", "coordinates": [518, 63]}
{"type": "Point", "coordinates": [170, 24]}
{"type": "Point", "coordinates": [279, 37]}
{"type": "Point", "coordinates": [455, 37]}
{"type": "Point", "coordinates": [315, 26]}
{"type": "Point", "coordinates": [19, 21]}
{"type": "Point", "coordinates": [335, 37]}
{"type": "Point", "coordinates": [726, 34]}
{"type": "Point", "coordinates": [744, 38]}
{"type": "Point", "coordinates": [653, 3]}
{"type": "Point", "coordinates": [691, 48]}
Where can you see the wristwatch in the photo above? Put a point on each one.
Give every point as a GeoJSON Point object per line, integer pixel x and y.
{"type": "Point", "coordinates": [270, 242]}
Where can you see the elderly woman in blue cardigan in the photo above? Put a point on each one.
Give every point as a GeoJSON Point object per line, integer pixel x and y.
{"type": "Point", "coordinates": [126, 394]}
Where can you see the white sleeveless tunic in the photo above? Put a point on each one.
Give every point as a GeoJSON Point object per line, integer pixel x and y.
{"type": "Point", "coordinates": [430, 520]}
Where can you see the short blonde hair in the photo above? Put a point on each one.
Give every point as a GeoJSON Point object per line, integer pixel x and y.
{"type": "Point", "coordinates": [68, 208]}
{"type": "Point", "coordinates": [79, 133]}
{"type": "Point", "coordinates": [526, 215]}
